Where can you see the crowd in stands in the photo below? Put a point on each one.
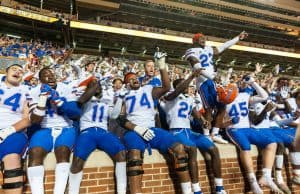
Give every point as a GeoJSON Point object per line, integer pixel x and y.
{"type": "Point", "coordinates": [35, 54]}
{"type": "Point", "coordinates": [137, 26]}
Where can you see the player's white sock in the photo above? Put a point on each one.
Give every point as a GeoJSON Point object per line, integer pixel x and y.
{"type": "Point", "coordinates": [61, 177]}
{"type": "Point", "coordinates": [215, 130]}
{"type": "Point", "coordinates": [295, 160]}
{"type": "Point", "coordinates": [251, 176]}
{"type": "Point", "coordinates": [267, 173]}
{"type": "Point", "coordinates": [36, 179]}
{"type": "Point", "coordinates": [266, 180]}
{"type": "Point", "coordinates": [253, 183]}
{"type": "Point", "coordinates": [74, 182]}
{"type": "Point", "coordinates": [206, 132]}
{"type": "Point", "coordinates": [278, 166]}
{"type": "Point", "coordinates": [219, 181]}
{"type": "Point", "coordinates": [121, 177]}
{"type": "Point", "coordinates": [278, 161]}
{"type": "Point", "coordinates": [196, 187]}
{"type": "Point", "coordinates": [186, 188]}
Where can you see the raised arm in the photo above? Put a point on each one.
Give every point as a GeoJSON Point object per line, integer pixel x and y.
{"type": "Point", "coordinates": [261, 96]}
{"type": "Point", "coordinates": [158, 92]}
{"type": "Point", "coordinates": [90, 91]}
{"type": "Point", "coordinates": [226, 45]}
{"type": "Point", "coordinates": [183, 85]}
{"type": "Point", "coordinates": [257, 118]}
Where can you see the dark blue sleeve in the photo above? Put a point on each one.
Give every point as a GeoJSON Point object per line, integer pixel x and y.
{"type": "Point", "coordinates": [155, 82]}
{"type": "Point", "coordinates": [70, 109]}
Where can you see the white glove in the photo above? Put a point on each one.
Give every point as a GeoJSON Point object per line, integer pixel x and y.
{"type": "Point", "coordinates": [4, 133]}
{"type": "Point", "coordinates": [284, 92]}
{"type": "Point", "coordinates": [144, 132]}
{"type": "Point", "coordinates": [122, 93]}
{"type": "Point", "coordinates": [160, 60]}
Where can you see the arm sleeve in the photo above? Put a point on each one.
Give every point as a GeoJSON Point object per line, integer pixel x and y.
{"type": "Point", "coordinates": [262, 94]}
{"type": "Point", "coordinates": [228, 44]}
{"type": "Point", "coordinates": [115, 110]}
{"type": "Point", "coordinates": [70, 109]}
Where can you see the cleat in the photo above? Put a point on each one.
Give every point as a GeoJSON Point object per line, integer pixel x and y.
{"type": "Point", "coordinates": [220, 190]}
{"type": "Point", "coordinates": [268, 182]}
{"type": "Point", "coordinates": [284, 188]}
{"type": "Point", "coordinates": [208, 137]}
{"type": "Point", "coordinates": [255, 187]}
{"type": "Point", "coordinates": [296, 179]}
{"type": "Point", "coordinates": [219, 139]}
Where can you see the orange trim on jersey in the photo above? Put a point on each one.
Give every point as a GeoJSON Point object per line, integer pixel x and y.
{"type": "Point", "coordinates": [202, 111]}
{"type": "Point", "coordinates": [87, 81]}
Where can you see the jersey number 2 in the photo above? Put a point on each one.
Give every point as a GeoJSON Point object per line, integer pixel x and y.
{"type": "Point", "coordinates": [205, 59]}
{"type": "Point", "coordinates": [182, 112]}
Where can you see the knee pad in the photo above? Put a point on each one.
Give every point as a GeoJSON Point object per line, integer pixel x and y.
{"type": "Point", "coordinates": [135, 164]}
{"type": "Point", "coordinates": [135, 167]}
{"type": "Point", "coordinates": [180, 158]}
{"type": "Point", "coordinates": [12, 174]}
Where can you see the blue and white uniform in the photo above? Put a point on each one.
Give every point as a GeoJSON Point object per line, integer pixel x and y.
{"type": "Point", "coordinates": [94, 129]}
{"type": "Point", "coordinates": [56, 128]}
{"type": "Point", "coordinates": [154, 81]}
{"type": "Point", "coordinates": [240, 133]}
{"type": "Point", "coordinates": [206, 86]}
{"type": "Point", "coordinates": [140, 111]}
{"type": "Point", "coordinates": [12, 101]}
{"type": "Point", "coordinates": [178, 113]}
{"type": "Point", "coordinates": [281, 135]}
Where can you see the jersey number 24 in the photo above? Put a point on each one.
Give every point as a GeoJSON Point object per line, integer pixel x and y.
{"type": "Point", "coordinates": [184, 110]}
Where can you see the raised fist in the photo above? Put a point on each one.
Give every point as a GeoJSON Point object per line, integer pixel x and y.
{"type": "Point", "coordinates": [243, 35]}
